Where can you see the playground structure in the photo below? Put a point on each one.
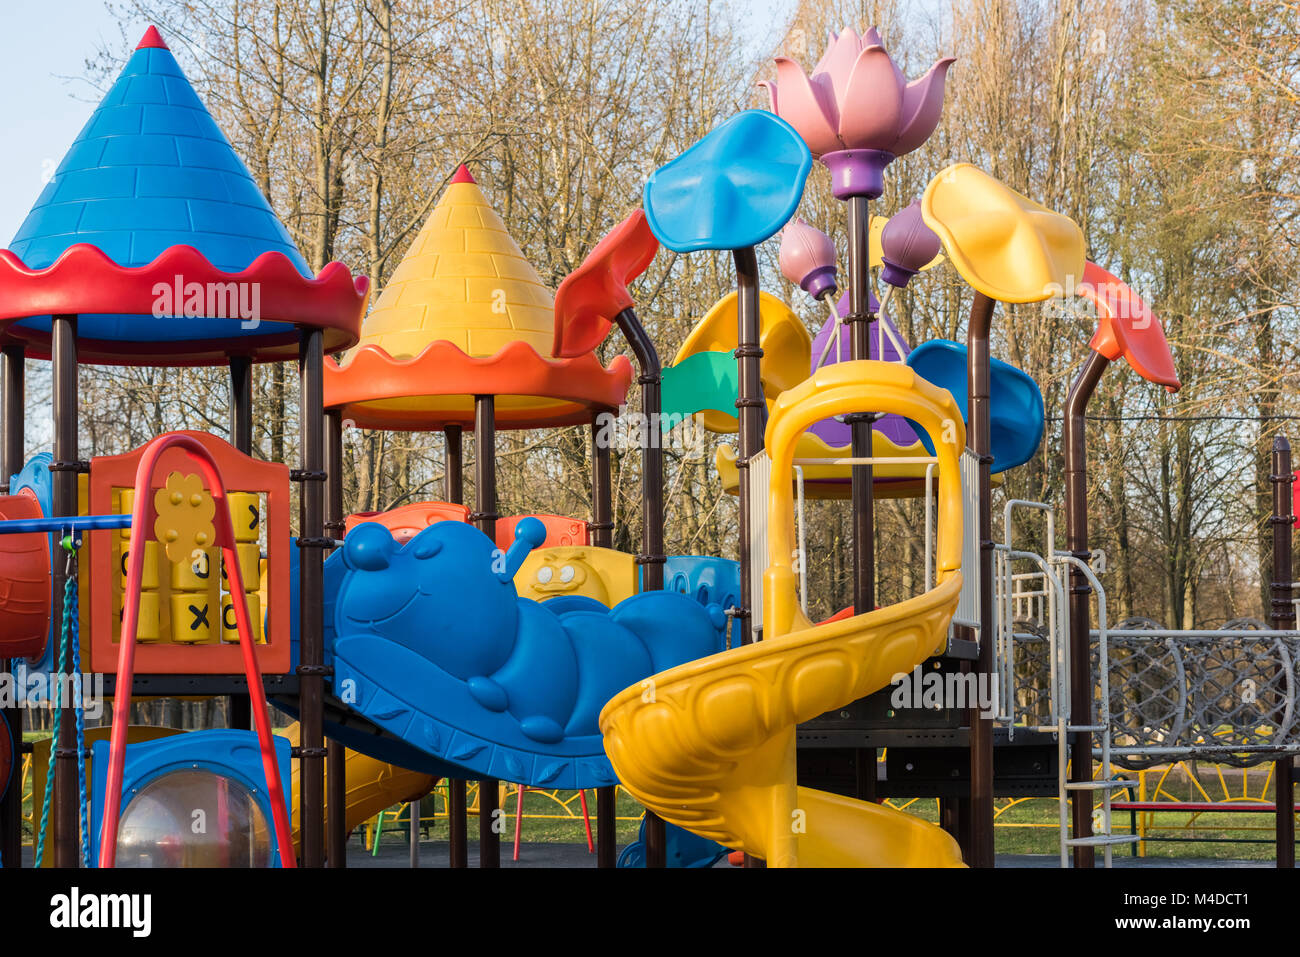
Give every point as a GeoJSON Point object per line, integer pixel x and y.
{"type": "Point", "coordinates": [442, 642]}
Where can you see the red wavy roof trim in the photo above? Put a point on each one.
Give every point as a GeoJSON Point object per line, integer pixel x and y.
{"type": "Point", "coordinates": [85, 281]}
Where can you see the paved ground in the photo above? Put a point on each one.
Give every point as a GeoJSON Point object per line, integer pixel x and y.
{"type": "Point", "coordinates": [1122, 860]}
{"type": "Point", "coordinates": [395, 852]}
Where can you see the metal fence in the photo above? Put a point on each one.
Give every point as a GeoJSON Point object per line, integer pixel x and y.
{"type": "Point", "coordinates": [1228, 694]}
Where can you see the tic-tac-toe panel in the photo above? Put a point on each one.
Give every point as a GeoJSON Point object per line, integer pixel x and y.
{"type": "Point", "coordinates": [187, 622]}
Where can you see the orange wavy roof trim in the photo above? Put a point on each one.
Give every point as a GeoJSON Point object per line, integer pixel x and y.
{"type": "Point", "coordinates": [437, 387]}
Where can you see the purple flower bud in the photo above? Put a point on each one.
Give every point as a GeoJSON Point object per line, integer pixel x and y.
{"type": "Point", "coordinates": [907, 245]}
{"type": "Point", "coordinates": [807, 257]}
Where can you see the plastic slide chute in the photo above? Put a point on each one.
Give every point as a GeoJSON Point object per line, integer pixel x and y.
{"type": "Point", "coordinates": [713, 750]}
{"type": "Point", "coordinates": [434, 643]}
{"type": "Point", "coordinates": [786, 346]}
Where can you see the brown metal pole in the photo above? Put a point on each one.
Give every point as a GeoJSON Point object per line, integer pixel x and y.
{"type": "Point", "coordinates": [948, 817]}
{"type": "Point", "coordinates": [458, 823]}
{"type": "Point", "coordinates": [1282, 618]}
{"type": "Point", "coordinates": [1076, 540]}
{"type": "Point", "coordinates": [241, 403]}
{"type": "Point", "coordinates": [67, 801]}
{"type": "Point", "coordinates": [860, 320]}
{"type": "Point", "coordinates": [336, 764]}
{"type": "Point", "coordinates": [979, 441]}
{"type": "Point", "coordinates": [13, 368]}
{"type": "Point", "coordinates": [652, 557]}
{"type": "Point", "coordinates": [13, 373]}
{"type": "Point", "coordinates": [485, 518]}
{"type": "Point", "coordinates": [601, 528]}
{"type": "Point", "coordinates": [311, 541]}
{"type": "Point", "coordinates": [453, 484]}
{"type": "Point", "coordinates": [751, 412]}
{"type": "Point", "coordinates": [457, 800]}
{"type": "Point", "coordinates": [239, 709]}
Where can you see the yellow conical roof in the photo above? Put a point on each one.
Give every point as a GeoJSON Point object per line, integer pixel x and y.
{"type": "Point", "coordinates": [465, 281]}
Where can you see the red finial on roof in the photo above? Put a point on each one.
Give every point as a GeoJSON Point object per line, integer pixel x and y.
{"type": "Point", "coordinates": [151, 38]}
{"type": "Point", "coordinates": [462, 175]}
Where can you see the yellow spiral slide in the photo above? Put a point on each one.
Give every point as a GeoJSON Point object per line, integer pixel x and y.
{"type": "Point", "coordinates": [710, 745]}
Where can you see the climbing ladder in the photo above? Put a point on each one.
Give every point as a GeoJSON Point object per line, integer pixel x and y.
{"type": "Point", "coordinates": [1038, 597]}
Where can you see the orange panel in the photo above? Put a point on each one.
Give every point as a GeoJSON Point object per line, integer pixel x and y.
{"type": "Point", "coordinates": [377, 391]}
{"type": "Point", "coordinates": [560, 530]}
{"type": "Point", "coordinates": [109, 475]}
{"type": "Point", "coordinates": [407, 521]}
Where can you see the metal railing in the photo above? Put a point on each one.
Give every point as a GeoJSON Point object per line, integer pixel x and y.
{"type": "Point", "coordinates": [1042, 592]}
{"type": "Point", "coordinates": [1228, 695]}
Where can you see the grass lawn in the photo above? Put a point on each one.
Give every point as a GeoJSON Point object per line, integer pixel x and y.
{"type": "Point", "coordinates": [1031, 826]}
{"type": "Point", "coordinates": [550, 817]}
{"type": "Point", "coordinates": [1023, 826]}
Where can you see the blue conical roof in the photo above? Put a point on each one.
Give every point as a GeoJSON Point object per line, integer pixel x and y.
{"type": "Point", "coordinates": [151, 170]}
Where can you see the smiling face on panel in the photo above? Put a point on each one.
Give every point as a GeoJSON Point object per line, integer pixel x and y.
{"type": "Point", "coordinates": [602, 574]}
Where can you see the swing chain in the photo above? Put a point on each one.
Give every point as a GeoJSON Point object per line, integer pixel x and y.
{"type": "Point", "coordinates": [70, 542]}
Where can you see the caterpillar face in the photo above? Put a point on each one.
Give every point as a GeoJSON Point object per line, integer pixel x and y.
{"type": "Point", "coordinates": [707, 579]}
{"type": "Point", "coordinates": [438, 594]}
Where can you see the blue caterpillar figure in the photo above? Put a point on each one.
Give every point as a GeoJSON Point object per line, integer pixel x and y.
{"type": "Point", "coordinates": [431, 642]}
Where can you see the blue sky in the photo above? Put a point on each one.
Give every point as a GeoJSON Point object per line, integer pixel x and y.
{"type": "Point", "coordinates": [43, 54]}
{"type": "Point", "coordinates": [47, 100]}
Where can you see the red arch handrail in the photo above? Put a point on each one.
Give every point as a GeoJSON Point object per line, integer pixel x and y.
{"type": "Point", "coordinates": [143, 515]}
